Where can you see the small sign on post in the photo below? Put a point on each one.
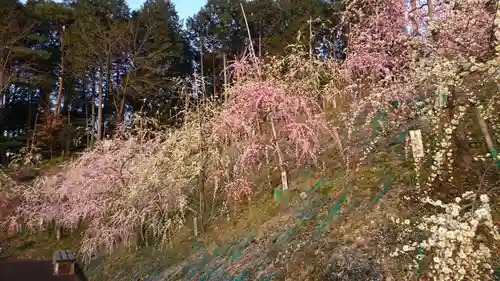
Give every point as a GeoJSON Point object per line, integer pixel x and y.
{"type": "Point", "coordinates": [417, 145]}
{"type": "Point", "coordinates": [284, 180]}
{"type": "Point", "coordinates": [195, 223]}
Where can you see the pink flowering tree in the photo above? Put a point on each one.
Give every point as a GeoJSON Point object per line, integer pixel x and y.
{"type": "Point", "coordinates": [270, 125]}
{"type": "Point", "coordinates": [127, 189]}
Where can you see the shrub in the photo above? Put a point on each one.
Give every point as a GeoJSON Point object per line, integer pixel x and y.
{"type": "Point", "coordinates": [452, 247]}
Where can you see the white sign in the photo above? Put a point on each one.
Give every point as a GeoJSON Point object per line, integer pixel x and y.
{"type": "Point", "coordinates": [284, 181]}
{"type": "Point", "coordinates": [416, 144]}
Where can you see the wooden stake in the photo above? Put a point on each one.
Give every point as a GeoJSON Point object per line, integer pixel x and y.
{"type": "Point", "coordinates": [310, 38]}
{"type": "Point", "coordinates": [195, 224]}
{"type": "Point", "coordinates": [484, 129]}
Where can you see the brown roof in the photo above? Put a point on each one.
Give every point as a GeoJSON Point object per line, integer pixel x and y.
{"type": "Point", "coordinates": [34, 270]}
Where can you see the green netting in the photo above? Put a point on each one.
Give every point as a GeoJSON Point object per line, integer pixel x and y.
{"type": "Point", "coordinates": [197, 266]}
{"type": "Point", "coordinates": [497, 271]}
{"type": "Point", "coordinates": [286, 236]}
{"type": "Point", "coordinates": [202, 265]}
{"type": "Point", "coordinates": [240, 277]}
{"type": "Point", "coordinates": [444, 98]}
{"type": "Point", "coordinates": [388, 183]}
{"type": "Point", "coordinates": [196, 245]}
{"type": "Point", "coordinates": [419, 255]}
{"type": "Point", "coordinates": [213, 265]}
{"type": "Point", "coordinates": [315, 185]}
{"type": "Point", "coordinates": [306, 213]}
{"type": "Point", "coordinates": [270, 276]}
{"type": "Point", "coordinates": [400, 138]}
{"type": "Point", "coordinates": [494, 155]}
{"type": "Point", "coordinates": [333, 211]}
{"type": "Point", "coordinates": [236, 253]}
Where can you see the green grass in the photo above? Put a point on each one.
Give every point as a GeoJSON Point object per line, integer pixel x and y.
{"type": "Point", "coordinates": [38, 246]}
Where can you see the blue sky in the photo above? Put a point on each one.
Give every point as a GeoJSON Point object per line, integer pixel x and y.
{"type": "Point", "coordinates": [185, 8]}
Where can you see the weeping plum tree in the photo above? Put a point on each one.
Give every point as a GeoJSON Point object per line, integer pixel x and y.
{"type": "Point", "coordinates": [265, 121]}
{"type": "Point", "coordinates": [126, 190]}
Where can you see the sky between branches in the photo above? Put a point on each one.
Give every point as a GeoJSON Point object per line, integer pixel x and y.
{"type": "Point", "coordinates": [185, 8]}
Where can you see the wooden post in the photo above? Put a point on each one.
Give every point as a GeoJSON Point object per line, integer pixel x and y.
{"type": "Point", "coordinates": [195, 224]}
{"type": "Point", "coordinates": [58, 233]}
{"type": "Point", "coordinates": [484, 129]}
{"type": "Point", "coordinates": [260, 43]}
{"type": "Point", "coordinates": [310, 38]}
{"type": "Point", "coordinates": [284, 179]}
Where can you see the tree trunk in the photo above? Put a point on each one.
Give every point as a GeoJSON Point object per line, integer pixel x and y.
{"type": "Point", "coordinates": [214, 78]}
{"type": "Point", "coordinates": [99, 109]}
{"type": "Point", "coordinates": [93, 108]}
{"type": "Point", "coordinates": [203, 90]}
{"type": "Point", "coordinates": [284, 178]}
{"type": "Point", "coordinates": [121, 112]}
{"type": "Point", "coordinates": [225, 76]}
{"type": "Point", "coordinates": [430, 9]}
{"type": "Point", "coordinates": [124, 98]}
{"type": "Point", "coordinates": [66, 110]}
{"type": "Point", "coordinates": [464, 156]}
{"type": "Point", "coordinates": [3, 158]}
{"type": "Point", "coordinates": [66, 102]}
{"type": "Point", "coordinates": [413, 18]}
{"type": "Point", "coordinates": [108, 89]}
{"type": "Point", "coordinates": [58, 233]}
{"type": "Point", "coordinates": [86, 109]}
{"type": "Point", "coordinates": [68, 136]}
{"type": "Point", "coordinates": [61, 75]}
{"type": "Point", "coordinates": [28, 127]}
{"type": "Point", "coordinates": [202, 168]}
{"type": "Point", "coordinates": [260, 42]}
{"type": "Point", "coordinates": [45, 99]}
